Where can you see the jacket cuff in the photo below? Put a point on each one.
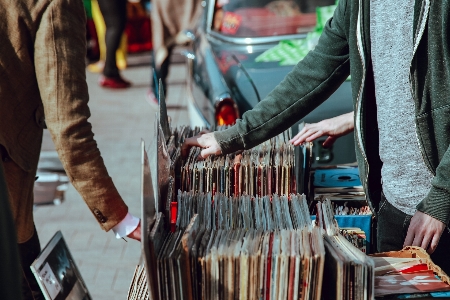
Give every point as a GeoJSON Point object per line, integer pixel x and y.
{"type": "Point", "coordinates": [436, 204]}
{"type": "Point", "coordinates": [126, 226]}
{"type": "Point", "coordinates": [103, 200]}
{"type": "Point", "coordinates": [229, 140]}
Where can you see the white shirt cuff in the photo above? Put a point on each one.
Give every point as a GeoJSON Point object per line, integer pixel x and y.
{"type": "Point", "coordinates": [126, 226]}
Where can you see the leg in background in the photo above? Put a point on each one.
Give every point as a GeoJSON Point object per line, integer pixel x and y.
{"type": "Point", "coordinates": [115, 15]}
{"type": "Point", "coordinates": [161, 73]}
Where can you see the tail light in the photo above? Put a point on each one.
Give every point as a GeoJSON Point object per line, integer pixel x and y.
{"type": "Point", "coordinates": [226, 112]}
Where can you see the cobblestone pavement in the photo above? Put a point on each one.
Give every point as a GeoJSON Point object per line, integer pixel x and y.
{"type": "Point", "coordinates": [120, 119]}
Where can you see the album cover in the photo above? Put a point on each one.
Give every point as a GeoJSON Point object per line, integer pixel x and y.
{"type": "Point", "coordinates": [57, 274]}
{"type": "Point", "coordinates": [348, 177]}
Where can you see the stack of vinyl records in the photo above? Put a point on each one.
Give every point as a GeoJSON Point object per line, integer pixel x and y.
{"type": "Point", "coordinates": [356, 236]}
{"type": "Point", "coordinates": [338, 183]}
{"type": "Point", "coordinates": [138, 287]}
{"type": "Point", "coordinates": [349, 273]}
{"type": "Point", "coordinates": [233, 227]}
{"type": "Point", "coordinates": [264, 170]}
{"type": "Point", "coordinates": [219, 256]}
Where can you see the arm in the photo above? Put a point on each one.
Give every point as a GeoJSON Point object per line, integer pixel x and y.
{"type": "Point", "coordinates": [60, 70]}
{"type": "Point", "coordinates": [310, 83]}
{"type": "Point", "coordinates": [333, 128]}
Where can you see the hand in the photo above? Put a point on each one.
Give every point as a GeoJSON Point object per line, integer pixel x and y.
{"type": "Point", "coordinates": [206, 141]}
{"type": "Point", "coordinates": [424, 231]}
{"type": "Point", "coordinates": [136, 234]}
{"type": "Point", "coordinates": [333, 128]}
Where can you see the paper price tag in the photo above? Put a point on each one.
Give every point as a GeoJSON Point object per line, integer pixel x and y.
{"type": "Point", "coordinates": [231, 23]}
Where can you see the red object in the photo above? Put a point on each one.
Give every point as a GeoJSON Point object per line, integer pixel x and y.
{"type": "Point", "coordinates": [93, 49]}
{"type": "Point", "coordinates": [226, 112]}
{"type": "Point", "coordinates": [173, 216]}
{"type": "Point", "coordinates": [414, 269]}
{"type": "Point", "coordinates": [269, 268]}
{"type": "Point", "coordinates": [113, 82]}
{"type": "Point", "coordinates": [139, 35]}
{"type": "Point", "coordinates": [231, 22]}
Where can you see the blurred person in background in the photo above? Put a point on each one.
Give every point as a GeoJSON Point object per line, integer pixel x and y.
{"type": "Point", "coordinates": [169, 20]}
{"type": "Point", "coordinates": [97, 40]}
{"type": "Point", "coordinates": [42, 66]}
{"type": "Point", "coordinates": [115, 15]}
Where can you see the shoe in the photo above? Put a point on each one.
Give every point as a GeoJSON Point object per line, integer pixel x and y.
{"type": "Point", "coordinates": [151, 98]}
{"type": "Point", "coordinates": [113, 82]}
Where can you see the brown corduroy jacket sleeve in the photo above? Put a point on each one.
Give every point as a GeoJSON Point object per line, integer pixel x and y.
{"type": "Point", "coordinates": [60, 47]}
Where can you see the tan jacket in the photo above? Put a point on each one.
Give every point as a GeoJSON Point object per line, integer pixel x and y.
{"type": "Point", "coordinates": [169, 18]}
{"type": "Point", "coordinates": [42, 72]}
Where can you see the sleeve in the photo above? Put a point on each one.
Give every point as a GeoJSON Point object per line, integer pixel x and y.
{"type": "Point", "coordinates": [59, 57]}
{"type": "Point", "coordinates": [126, 226]}
{"type": "Point", "coordinates": [437, 202]}
{"type": "Point", "coordinates": [309, 84]}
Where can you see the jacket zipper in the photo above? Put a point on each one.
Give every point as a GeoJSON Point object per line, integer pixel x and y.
{"type": "Point", "coordinates": [359, 98]}
{"type": "Point", "coordinates": [417, 38]}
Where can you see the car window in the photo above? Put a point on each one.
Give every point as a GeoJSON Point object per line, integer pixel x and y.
{"type": "Point", "coordinates": [262, 18]}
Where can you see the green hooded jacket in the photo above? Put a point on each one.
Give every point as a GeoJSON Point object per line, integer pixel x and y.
{"type": "Point", "coordinates": [344, 49]}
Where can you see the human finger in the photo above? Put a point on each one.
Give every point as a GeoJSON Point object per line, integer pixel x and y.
{"type": "Point", "coordinates": [297, 139]}
{"type": "Point", "coordinates": [302, 136]}
{"type": "Point", "coordinates": [212, 150]}
{"type": "Point", "coordinates": [418, 238]}
{"type": "Point", "coordinates": [188, 144]}
{"type": "Point", "coordinates": [426, 241]}
{"type": "Point", "coordinates": [434, 243]}
{"type": "Point", "coordinates": [314, 135]}
{"type": "Point", "coordinates": [136, 234]}
{"type": "Point", "coordinates": [409, 238]}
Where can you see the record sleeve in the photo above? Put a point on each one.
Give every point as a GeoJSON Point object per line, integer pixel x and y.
{"type": "Point", "coordinates": [57, 274]}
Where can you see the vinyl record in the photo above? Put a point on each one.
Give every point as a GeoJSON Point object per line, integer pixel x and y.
{"type": "Point", "coordinates": [337, 177]}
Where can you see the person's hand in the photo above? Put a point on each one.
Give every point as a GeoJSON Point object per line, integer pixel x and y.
{"type": "Point", "coordinates": [206, 141]}
{"type": "Point", "coordinates": [136, 234]}
{"type": "Point", "coordinates": [333, 128]}
{"type": "Point", "coordinates": [424, 231]}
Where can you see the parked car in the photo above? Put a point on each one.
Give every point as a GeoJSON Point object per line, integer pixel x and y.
{"type": "Point", "coordinates": [224, 79]}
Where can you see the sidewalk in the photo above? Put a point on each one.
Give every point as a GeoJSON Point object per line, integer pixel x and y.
{"type": "Point", "coordinates": [120, 119]}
